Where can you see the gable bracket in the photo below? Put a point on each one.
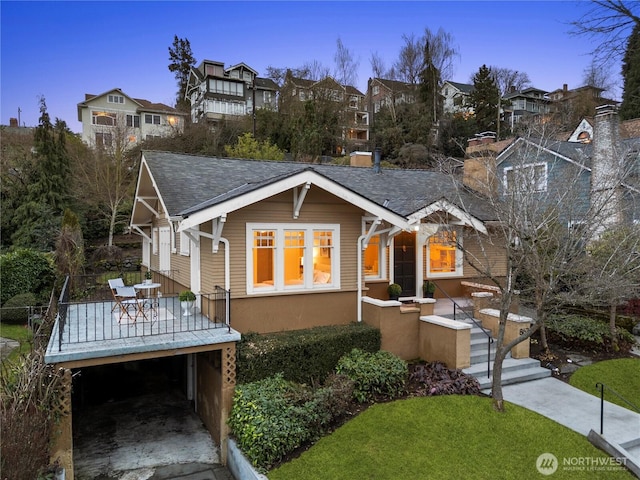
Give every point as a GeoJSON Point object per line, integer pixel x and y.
{"type": "Point", "coordinates": [146, 204]}
{"type": "Point", "coordinates": [141, 232]}
{"type": "Point", "coordinates": [298, 198]}
{"type": "Point", "coordinates": [218, 225]}
{"type": "Point", "coordinates": [372, 230]}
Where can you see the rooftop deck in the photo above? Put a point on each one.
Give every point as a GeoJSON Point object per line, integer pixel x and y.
{"type": "Point", "coordinates": [94, 330]}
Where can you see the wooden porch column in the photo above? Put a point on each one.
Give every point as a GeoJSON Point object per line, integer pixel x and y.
{"type": "Point", "coordinates": [228, 368]}
{"type": "Point", "coordinates": [61, 431]}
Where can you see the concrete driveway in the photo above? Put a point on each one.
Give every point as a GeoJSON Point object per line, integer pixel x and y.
{"type": "Point", "coordinates": [153, 436]}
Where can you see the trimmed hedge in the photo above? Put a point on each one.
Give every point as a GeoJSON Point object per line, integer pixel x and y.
{"type": "Point", "coordinates": [377, 374]}
{"type": "Point", "coordinates": [25, 270]}
{"type": "Point", "coordinates": [14, 310]}
{"type": "Point", "coordinates": [303, 356]}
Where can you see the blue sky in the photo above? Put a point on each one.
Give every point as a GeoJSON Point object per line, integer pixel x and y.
{"type": "Point", "coordinates": [62, 50]}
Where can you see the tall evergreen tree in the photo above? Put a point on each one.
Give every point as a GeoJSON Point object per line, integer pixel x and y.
{"type": "Point", "coordinates": [485, 98]}
{"type": "Point", "coordinates": [182, 60]}
{"type": "Point", "coordinates": [630, 107]}
{"type": "Point", "coordinates": [49, 186]}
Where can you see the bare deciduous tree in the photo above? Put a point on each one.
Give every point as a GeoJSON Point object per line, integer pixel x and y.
{"type": "Point", "coordinates": [608, 23]}
{"type": "Point", "coordinates": [346, 72]}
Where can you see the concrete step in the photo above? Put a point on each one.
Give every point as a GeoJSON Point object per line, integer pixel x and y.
{"type": "Point", "coordinates": [479, 355]}
{"type": "Point", "coordinates": [513, 371]}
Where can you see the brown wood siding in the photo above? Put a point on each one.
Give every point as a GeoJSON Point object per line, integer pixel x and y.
{"type": "Point", "coordinates": [319, 207]}
{"type": "Point", "coordinates": [490, 251]}
{"type": "Point", "coordinates": [277, 313]}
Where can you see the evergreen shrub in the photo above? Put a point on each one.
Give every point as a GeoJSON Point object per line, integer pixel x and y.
{"type": "Point", "coordinates": [302, 356]}
{"type": "Point", "coordinates": [379, 374]}
{"type": "Point", "coordinates": [14, 310]}
{"type": "Point", "coordinates": [25, 270]}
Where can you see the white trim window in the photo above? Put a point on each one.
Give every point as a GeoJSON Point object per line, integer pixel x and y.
{"type": "Point", "coordinates": [151, 119]}
{"type": "Point", "coordinates": [374, 258]}
{"type": "Point", "coordinates": [292, 257]}
{"type": "Point", "coordinates": [115, 99]}
{"type": "Point", "coordinates": [444, 257]}
{"type": "Point", "coordinates": [105, 119]}
{"type": "Point", "coordinates": [526, 178]}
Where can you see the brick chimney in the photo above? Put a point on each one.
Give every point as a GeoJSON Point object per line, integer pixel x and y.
{"type": "Point", "coordinates": [607, 166]}
{"type": "Point", "coordinates": [13, 122]}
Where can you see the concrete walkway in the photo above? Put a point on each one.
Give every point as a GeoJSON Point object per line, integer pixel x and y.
{"type": "Point", "coordinates": [574, 408]}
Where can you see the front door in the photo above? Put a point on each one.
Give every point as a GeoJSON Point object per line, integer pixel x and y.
{"type": "Point", "coordinates": [404, 268]}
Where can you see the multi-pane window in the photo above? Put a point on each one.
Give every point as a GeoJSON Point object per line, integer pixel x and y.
{"type": "Point", "coordinates": [228, 108]}
{"type": "Point", "coordinates": [292, 257]}
{"type": "Point", "coordinates": [115, 99]}
{"type": "Point", "coordinates": [373, 258]}
{"type": "Point", "coordinates": [133, 121]}
{"type": "Point", "coordinates": [226, 87]}
{"type": "Point", "coordinates": [266, 97]}
{"type": "Point", "coordinates": [525, 178]}
{"type": "Point", "coordinates": [151, 119]}
{"type": "Point", "coordinates": [444, 256]}
{"type": "Point", "coordinates": [107, 119]}
{"type": "Point", "coordinates": [103, 139]}
{"type": "Point", "coordinates": [264, 247]}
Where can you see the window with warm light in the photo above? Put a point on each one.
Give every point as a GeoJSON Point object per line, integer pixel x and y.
{"type": "Point", "coordinates": [107, 119]}
{"type": "Point", "coordinates": [444, 256]}
{"type": "Point", "coordinates": [373, 258]}
{"type": "Point", "coordinates": [284, 257]}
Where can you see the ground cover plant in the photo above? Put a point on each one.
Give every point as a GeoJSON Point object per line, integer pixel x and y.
{"type": "Point", "coordinates": [619, 374]}
{"type": "Point", "coordinates": [19, 333]}
{"type": "Point", "coordinates": [442, 437]}
{"type": "Point", "coordinates": [585, 333]}
{"type": "Point", "coordinates": [275, 419]}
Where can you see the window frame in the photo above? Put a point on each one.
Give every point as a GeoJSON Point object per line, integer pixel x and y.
{"type": "Point", "coordinates": [308, 286]}
{"type": "Point", "coordinates": [153, 119]}
{"type": "Point", "coordinates": [541, 184]}
{"type": "Point", "coordinates": [459, 257]}
{"type": "Point", "coordinates": [382, 254]}
{"type": "Point", "coordinates": [118, 99]}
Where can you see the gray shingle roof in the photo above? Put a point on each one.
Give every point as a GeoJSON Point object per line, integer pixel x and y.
{"type": "Point", "coordinates": [189, 183]}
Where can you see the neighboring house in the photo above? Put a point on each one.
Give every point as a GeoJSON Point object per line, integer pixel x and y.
{"type": "Point", "coordinates": [382, 92]}
{"type": "Point", "coordinates": [113, 119]}
{"type": "Point", "coordinates": [457, 97]}
{"type": "Point", "coordinates": [570, 105]}
{"type": "Point", "coordinates": [298, 245]}
{"type": "Point", "coordinates": [354, 120]}
{"type": "Point", "coordinates": [216, 92]}
{"type": "Point", "coordinates": [529, 103]}
{"type": "Point", "coordinates": [603, 163]}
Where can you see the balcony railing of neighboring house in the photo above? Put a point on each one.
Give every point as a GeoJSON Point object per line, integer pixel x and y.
{"type": "Point", "coordinates": [104, 320]}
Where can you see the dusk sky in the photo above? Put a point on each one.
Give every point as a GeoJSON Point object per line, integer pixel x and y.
{"type": "Point", "coordinates": [62, 50]}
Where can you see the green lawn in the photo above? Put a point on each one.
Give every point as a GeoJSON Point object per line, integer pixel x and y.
{"type": "Point", "coordinates": [21, 333]}
{"type": "Point", "coordinates": [621, 375]}
{"type": "Point", "coordinates": [445, 437]}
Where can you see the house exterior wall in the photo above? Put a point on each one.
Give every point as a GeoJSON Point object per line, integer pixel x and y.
{"type": "Point", "coordinates": [275, 311]}
{"type": "Point", "coordinates": [564, 180]}
{"type": "Point", "coordinates": [127, 135]}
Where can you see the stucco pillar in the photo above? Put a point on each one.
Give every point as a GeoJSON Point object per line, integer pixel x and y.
{"type": "Point", "coordinates": [61, 431]}
{"type": "Point", "coordinates": [228, 387]}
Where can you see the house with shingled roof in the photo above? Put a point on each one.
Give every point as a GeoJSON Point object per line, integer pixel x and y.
{"type": "Point", "coordinates": [114, 120]}
{"type": "Point", "coordinates": [303, 243]}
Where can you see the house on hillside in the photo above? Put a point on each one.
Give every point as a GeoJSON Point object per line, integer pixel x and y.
{"type": "Point", "coordinates": [353, 120]}
{"type": "Point", "coordinates": [216, 92]}
{"type": "Point", "coordinates": [113, 119]}
{"type": "Point", "coordinates": [598, 163]}
{"type": "Point", "coordinates": [318, 236]}
{"type": "Point", "coordinates": [528, 103]}
{"type": "Point", "coordinates": [456, 97]}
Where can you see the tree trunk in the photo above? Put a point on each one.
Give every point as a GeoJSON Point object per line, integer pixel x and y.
{"type": "Point", "coordinates": [543, 337]}
{"type": "Point", "coordinates": [496, 383]}
{"type": "Point", "coordinates": [612, 325]}
{"type": "Point", "coordinates": [112, 225]}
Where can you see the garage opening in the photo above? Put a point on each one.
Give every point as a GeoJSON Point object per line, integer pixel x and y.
{"type": "Point", "coordinates": [137, 415]}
